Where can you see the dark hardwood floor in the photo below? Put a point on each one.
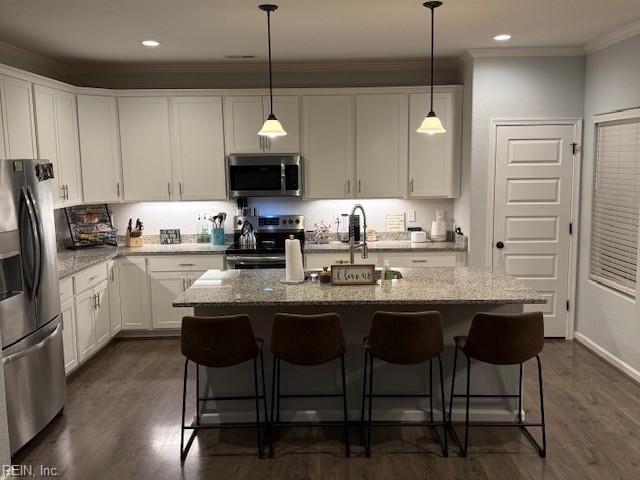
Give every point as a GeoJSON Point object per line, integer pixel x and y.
{"type": "Point", "coordinates": [122, 422]}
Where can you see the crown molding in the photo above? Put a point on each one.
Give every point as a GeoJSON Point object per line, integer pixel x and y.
{"type": "Point", "coordinates": [611, 38]}
{"type": "Point", "coordinates": [526, 52]}
{"type": "Point", "coordinates": [32, 62]}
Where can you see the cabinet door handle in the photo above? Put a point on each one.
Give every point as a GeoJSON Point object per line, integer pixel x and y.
{"type": "Point", "coordinates": [95, 302]}
{"type": "Point", "coordinates": [118, 189]}
{"type": "Point", "coordinates": [411, 185]}
{"type": "Point", "coordinates": [184, 285]}
{"type": "Point", "coordinates": [349, 186]}
{"type": "Point", "coordinates": [180, 189]}
{"type": "Point", "coordinates": [99, 303]}
{"type": "Point", "coordinates": [419, 261]}
{"type": "Point", "coordinates": [112, 275]}
{"type": "Point", "coordinates": [359, 186]}
{"type": "Point", "coordinates": [169, 189]}
{"type": "Point", "coordinates": [66, 191]}
{"type": "Point", "coordinates": [185, 264]}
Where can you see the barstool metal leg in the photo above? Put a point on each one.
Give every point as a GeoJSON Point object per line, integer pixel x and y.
{"type": "Point", "coordinates": [364, 388]}
{"type": "Point", "coordinates": [431, 390]}
{"type": "Point", "coordinates": [344, 405]}
{"type": "Point", "coordinates": [368, 447]}
{"type": "Point", "coordinates": [257, 394]}
{"type": "Point", "coordinates": [272, 430]}
{"type": "Point", "coordinates": [184, 450]}
{"type": "Point", "coordinates": [445, 450]}
{"type": "Point", "coordinates": [264, 392]}
{"type": "Point", "coordinates": [278, 393]}
{"type": "Point", "coordinates": [543, 451]}
{"type": "Point", "coordinates": [453, 384]}
{"type": "Point", "coordinates": [466, 415]}
{"type": "Point", "coordinates": [520, 396]}
{"type": "Point", "coordinates": [197, 395]}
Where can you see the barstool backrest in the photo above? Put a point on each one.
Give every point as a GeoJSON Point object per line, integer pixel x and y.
{"type": "Point", "coordinates": [307, 339]}
{"type": "Point", "coordinates": [218, 341]}
{"type": "Point", "coordinates": [505, 339]}
{"type": "Point", "coordinates": [405, 337]}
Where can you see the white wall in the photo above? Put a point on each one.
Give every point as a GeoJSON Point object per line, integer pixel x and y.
{"type": "Point", "coordinates": [513, 87]}
{"type": "Point", "coordinates": [609, 320]}
{"type": "Point", "coordinates": [183, 215]}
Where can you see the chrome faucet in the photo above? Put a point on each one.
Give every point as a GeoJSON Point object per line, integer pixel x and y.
{"type": "Point", "coordinates": [352, 234]}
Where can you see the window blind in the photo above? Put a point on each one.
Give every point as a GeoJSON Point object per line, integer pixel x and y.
{"type": "Point", "coordinates": [616, 206]}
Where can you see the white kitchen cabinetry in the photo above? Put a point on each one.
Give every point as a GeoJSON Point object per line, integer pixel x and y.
{"type": "Point", "coordinates": [243, 119]}
{"type": "Point", "coordinates": [134, 293]}
{"type": "Point", "coordinates": [99, 148]}
{"type": "Point", "coordinates": [405, 259]}
{"type": "Point", "coordinates": [114, 297]}
{"type": "Point", "coordinates": [92, 320]}
{"type": "Point", "coordinates": [69, 335]}
{"type": "Point", "coordinates": [326, 259]}
{"type": "Point", "coordinates": [146, 152]}
{"type": "Point", "coordinates": [17, 114]}
{"type": "Point", "coordinates": [102, 315]}
{"type": "Point", "coordinates": [328, 146]}
{"type": "Point", "coordinates": [57, 135]}
{"type": "Point", "coordinates": [434, 160]}
{"type": "Point", "coordinates": [197, 143]}
{"type": "Point", "coordinates": [381, 145]}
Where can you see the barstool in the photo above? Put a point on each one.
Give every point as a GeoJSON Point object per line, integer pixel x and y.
{"type": "Point", "coordinates": [306, 340]}
{"type": "Point", "coordinates": [404, 338]}
{"type": "Point", "coordinates": [217, 342]}
{"type": "Point", "coordinates": [501, 339]}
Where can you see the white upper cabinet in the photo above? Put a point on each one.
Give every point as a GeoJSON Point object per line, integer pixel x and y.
{"type": "Point", "coordinates": [99, 148]}
{"type": "Point", "coordinates": [17, 114]}
{"type": "Point", "coordinates": [146, 152]}
{"type": "Point", "coordinates": [381, 145]}
{"type": "Point", "coordinates": [287, 110]}
{"type": "Point", "coordinates": [197, 144]}
{"type": "Point", "coordinates": [328, 146]}
{"type": "Point", "coordinates": [243, 119]}
{"type": "Point", "coordinates": [57, 134]}
{"type": "Point", "coordinates": [434, 160]}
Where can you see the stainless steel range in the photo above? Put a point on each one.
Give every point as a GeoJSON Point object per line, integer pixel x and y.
{"type": "Point", "coordinates": [258, 242]}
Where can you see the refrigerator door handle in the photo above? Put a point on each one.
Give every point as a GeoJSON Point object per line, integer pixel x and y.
{"type": "Point", "coordinates": [38, 346]}
{"type": "Point", "coordinates": [38, 243]}
{"type": "Point", "coordinates": [25, 210]}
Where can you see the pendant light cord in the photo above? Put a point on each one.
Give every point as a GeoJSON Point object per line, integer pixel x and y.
{"type": "Point", "coordinates": [270, 74]}
{"type": "Point", "coordinates": [432, 25]}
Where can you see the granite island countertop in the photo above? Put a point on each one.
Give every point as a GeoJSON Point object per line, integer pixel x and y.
{"type": "Point", "coordinates": [460, 285]}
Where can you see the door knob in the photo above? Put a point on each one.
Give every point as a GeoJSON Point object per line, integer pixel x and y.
{"type": "Point", "coordinates": [500, 245]}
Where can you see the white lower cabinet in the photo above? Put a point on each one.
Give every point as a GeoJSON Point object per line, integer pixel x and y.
{"type": "Point", "coordinates": [102, 317]}
{"type": "Point", "coordinates": [114, 297]}
{"type": "Point", "coordinates": [165, 286]}
{"type": "Point", "coordinates": [134, 293]}
{"type": "Point", "coordinates": [86, 336]}
{"type": "Point", "coordinates": [326, 259]}
{"type": "Point", "coordinates": [69, 335]}
{"type": "Point", "coordinates": [396, 259]}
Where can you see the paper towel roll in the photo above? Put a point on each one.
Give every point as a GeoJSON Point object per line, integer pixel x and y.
{"type": "Point", "coordinates": [294, 272]}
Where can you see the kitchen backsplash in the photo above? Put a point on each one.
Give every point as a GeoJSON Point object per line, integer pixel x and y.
{"type": "Point", "coordinates": [184, 215]}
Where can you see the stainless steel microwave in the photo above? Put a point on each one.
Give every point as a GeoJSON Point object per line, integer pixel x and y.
{"type": "Point", "coordinates": [264, 175]}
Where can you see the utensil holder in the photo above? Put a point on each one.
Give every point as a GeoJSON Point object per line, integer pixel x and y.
{"type": "Point", "coordinates": [217, 236]}
{"type": "Point", "coordinates": [134, 241]}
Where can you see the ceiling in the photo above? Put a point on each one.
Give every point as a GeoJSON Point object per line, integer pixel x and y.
{"type": "Point", "coordinates": [199, 31]}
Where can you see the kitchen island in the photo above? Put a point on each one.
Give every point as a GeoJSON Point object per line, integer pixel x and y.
{"type": "Point", "coordinates": [458, 293]}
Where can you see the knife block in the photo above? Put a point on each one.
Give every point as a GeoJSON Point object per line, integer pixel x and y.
{"type": "Point", "coordinates": [134, 241]}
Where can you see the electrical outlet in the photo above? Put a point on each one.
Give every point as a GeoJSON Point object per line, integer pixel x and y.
{"type": "Point", "coordinates": [411, 216]}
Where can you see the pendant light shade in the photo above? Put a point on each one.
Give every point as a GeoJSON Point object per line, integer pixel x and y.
{"type": "Point", "coordinates": [272, 126]}
{"type": "Point", "coordinates": [431, 124]}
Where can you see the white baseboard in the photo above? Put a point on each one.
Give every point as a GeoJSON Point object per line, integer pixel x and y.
{"type": "Point", "coordinates": [608, 356]}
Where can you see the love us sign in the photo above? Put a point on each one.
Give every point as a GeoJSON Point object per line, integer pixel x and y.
{"type": "Point", "coordinates": [351, 274]}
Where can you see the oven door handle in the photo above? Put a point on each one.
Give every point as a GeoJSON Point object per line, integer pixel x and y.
{"type": "Point", "coordinates": [246, 260]}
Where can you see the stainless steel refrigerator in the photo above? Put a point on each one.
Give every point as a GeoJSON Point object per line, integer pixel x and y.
{"type": "Point", "coordinates": [30, 317]}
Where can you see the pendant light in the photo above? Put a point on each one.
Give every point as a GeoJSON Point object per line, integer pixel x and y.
{"type": "Point", "coordinates": [272, 127]}
{"type": "Point", "coordinates": [431, 124]}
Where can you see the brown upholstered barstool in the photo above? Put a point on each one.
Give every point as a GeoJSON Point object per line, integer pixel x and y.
{"type": "Point", "coordinates": [217, 342]}
{"type": "Point", "coordinates": [404, 338]}
{"type": "Point", "coordinates": [306, 340]}
{"type": "Point", "coordinates": [501, 339]}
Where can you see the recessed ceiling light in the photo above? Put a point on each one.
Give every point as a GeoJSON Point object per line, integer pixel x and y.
{"type": "Point", "coordinates": [150, 43]}
{"type": "Point", "coordinates": [503, 37]}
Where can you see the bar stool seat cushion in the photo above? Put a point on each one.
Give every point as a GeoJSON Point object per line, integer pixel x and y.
{"type": "Point", "coordinates": [405, 338]}
{"type": "Point", "coordinates": [307, 339]}
{"type": "Point", "coordinates": [221, 341]}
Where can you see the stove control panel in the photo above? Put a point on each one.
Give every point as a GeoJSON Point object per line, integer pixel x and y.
{"type": "Point", "coordinates": [271, 223]}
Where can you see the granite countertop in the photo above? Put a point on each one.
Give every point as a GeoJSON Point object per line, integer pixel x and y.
{"type": "Point", "coordinates": [388, 246]}
{"type": "Point", "coordinates": [460, 285]}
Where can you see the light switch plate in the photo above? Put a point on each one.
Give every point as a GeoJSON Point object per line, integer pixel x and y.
{"type": "Point", "coordinates": [411, 216]}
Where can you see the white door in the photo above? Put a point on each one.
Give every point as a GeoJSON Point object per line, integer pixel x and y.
{"type": "Point", "coordinates": [146, 153]}
{"type": "Point", "coordinates": [68, 146]}
{"type": "Point", "coordinates": [69, 335]}
{"type": "Point", "coordinates": [99, 148]}
{"type": "Point", "coordinates": [197, 144]}
{"type": "Point", "coordinates": [114, 298]}
{"type": "Point", "coordinates": [434, 160]}
{"type": "Point", "coordinates": [381, 145]}
{"type": "Point", "coordinates": [165, 287]}
{"type": "Point", "coordinates": [328, 146]}
{"type": "Point", "coordinates": [102, 316]}
{"type": "Point", "coordinates": [85, 324]}
{"type": "Point", "coordinates": [532, 213]}
{"type": "Point", "coordinates": [243, 119]}
{"type": "Point", "coordinates": [17, 114]}
{"type": "Point", "coordinates": [287, 110]}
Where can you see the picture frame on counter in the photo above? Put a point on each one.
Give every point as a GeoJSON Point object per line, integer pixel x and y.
{"type": "Point", "coordinates": [170, 236]}
{"type": "Point", "coordinates": [353, 274]}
